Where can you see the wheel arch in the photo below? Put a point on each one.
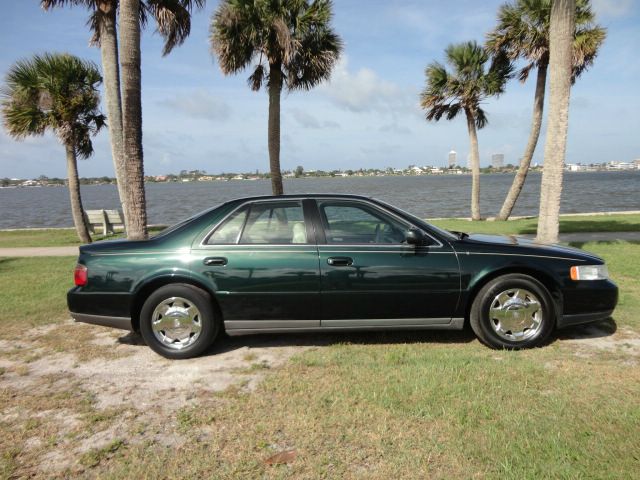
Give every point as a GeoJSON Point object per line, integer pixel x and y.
{"type": "Point", "coordinates": [146, 289]}
{"type": "Point", "coordinates": [545, 278]}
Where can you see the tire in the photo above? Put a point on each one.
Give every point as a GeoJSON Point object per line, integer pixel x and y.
{"type": "Point", "coordinates": [512, 312]}
{"type": "Point", "coordinates": [177, 321]}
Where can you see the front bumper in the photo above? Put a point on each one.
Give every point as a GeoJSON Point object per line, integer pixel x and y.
{"type": "Point", "coordinates": [588, 301]}
{"type": "Point", "coordinates": [109, 309]}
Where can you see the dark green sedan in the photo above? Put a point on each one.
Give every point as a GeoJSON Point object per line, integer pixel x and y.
{"type": "Point", "coordinates": [320, 263]}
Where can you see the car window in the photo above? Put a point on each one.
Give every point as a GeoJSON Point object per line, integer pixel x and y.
{"type": "Point", "coordinates": [277, 223]}
{"type": "Point", "coordinates": [229, 230]}
{"type": "Point", "coordinates": [355, 224]}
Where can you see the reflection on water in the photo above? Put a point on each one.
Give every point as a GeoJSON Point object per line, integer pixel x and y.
{"type": "Point", "coordinates": [426, 196]}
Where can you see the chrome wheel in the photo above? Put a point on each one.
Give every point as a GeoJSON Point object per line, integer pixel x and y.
{"type": "Point", "coordinates": [176, 323]}
{"type": "Point", "coordinates": [516, 315]}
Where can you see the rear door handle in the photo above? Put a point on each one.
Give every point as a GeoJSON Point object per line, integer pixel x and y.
{"type": "Point", "coordinates": [215, 261]}
{"type": "Point", "coordinates": [340, 261]}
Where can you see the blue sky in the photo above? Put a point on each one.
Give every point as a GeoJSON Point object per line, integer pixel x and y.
{"type": "Point", "coordinates": [367, 116]}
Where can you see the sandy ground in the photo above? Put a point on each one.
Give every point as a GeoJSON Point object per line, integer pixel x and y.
{"type": "Point", "coordinates": [85, 386]}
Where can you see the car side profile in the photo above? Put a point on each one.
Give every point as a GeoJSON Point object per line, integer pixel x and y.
{"type": "Point", "coordinates": [319, 263]}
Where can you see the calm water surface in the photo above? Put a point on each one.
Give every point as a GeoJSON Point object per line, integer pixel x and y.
{"type": "Point", "coordinates": [426, 196]}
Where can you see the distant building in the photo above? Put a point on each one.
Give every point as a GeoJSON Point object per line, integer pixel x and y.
{"type": "Point", "coordinates": [453, 158]}
{"type": "Point", "coordinates": [497, 160]}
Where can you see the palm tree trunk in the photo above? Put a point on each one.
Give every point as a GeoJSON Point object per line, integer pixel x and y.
{"type": "Point", "coordinates": [475, 166]}
{"type": "Point", "coordinates": [560, 61]}
{"type": "Point", "coordinates": [275, 88]}
{"type": "Point", "coordinates": [79, 219]}
{"type": "Point", "coordinates": [132, 119]}
{"type": "Point", "coordinates": [111, 73]}
{"type": "Point", "coordinates": [523, 169]}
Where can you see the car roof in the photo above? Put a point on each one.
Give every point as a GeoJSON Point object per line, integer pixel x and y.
{"type": "Point", "coordinates": [303, 195]}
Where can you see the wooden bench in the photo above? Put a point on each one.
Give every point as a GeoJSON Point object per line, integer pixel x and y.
{"type": "Point", "coordinates": [107, 219]}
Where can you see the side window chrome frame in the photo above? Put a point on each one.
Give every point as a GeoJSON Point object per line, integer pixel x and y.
{"type": "Point", "coordinates": [250, 204]}
{"type": "Point", "coordinates": [436, 243]}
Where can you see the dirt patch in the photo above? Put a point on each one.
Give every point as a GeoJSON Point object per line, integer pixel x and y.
{"type": "Point", "coordinates": [600, 337]}
{"type": "Point", "coordinates": [119, 384]}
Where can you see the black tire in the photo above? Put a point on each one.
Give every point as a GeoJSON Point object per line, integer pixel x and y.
{"type": "Point", "coordinates": [210, 324]}
{"type": "Point", "coordinates": [482, 324]}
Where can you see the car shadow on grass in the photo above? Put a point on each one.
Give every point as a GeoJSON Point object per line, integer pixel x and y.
{"type": "Point", "coordinates": [604, 328]}
{"type": "Point", "coordinates": [225, 343]}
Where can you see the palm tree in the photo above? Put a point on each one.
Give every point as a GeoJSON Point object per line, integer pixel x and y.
{"type": "Point", "coordinates": [290, 41]}
{"type": "Point", "coordinates": [173, 21]}
{"type": "Point", "coordinates": [56, 92]}
{"type": "Point", "coordinates": [462, 90]}
{"type": "Point", "coordinates": [523, 33]}
{"type": "Point", "coordinates": [561, 30]}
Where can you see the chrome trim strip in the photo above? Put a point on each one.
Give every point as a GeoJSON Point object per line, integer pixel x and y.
{"type": "Point", "coordinates": [310, 197]}
{"type": "Point", "coordinates": [203, 243]}
{"type": "Point", "coordinates": [269, 324]}
{"type": "Point", "coordinates": [455, 324]}
{"type": "Point", "coordinates": [524, 255]}
{"type": "Point", "coordinates": [122, 323]}
{"type": "Point", "coordinates": [385, 322]}
{"type": "Point", "coordinates": [406, 251]}
{"type": "Point", "coordinates": [379, 209]}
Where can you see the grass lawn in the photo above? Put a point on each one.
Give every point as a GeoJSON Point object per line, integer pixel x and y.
{"type": "Point", "coordinates": [374, 405]}
{"type": "Point", "coordinates": [55, 237]}
{"type": "Point", "coordinates": [569, 224]}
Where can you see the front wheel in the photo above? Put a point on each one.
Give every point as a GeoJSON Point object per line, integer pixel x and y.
{"type": "Point", "coordinates": [513, 311]}
{"type": "Point", "coordinates": [177, 321]}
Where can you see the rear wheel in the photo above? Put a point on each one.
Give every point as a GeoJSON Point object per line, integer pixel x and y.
{"type": "Point", "coordinates": [513, 311]}
{"type": "Point", "coordinates": [177, 321]}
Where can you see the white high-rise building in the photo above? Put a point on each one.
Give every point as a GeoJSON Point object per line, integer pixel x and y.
{"type": "Point", "coordinates": [497, 160]}
{"type": "Point", "coordinates": [453, 158]}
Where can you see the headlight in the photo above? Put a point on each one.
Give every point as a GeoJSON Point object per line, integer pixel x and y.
{"type": "Point", "coordinates": [589, 272]}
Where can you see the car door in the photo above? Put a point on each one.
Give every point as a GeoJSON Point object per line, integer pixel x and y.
{"type": "Point", "coordinates": [262, 264]}
{"type": "Point", "coordinates": [370, 276]}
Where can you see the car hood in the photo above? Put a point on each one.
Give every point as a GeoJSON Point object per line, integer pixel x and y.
{"type": "Point", "coordinates": [522, 244]}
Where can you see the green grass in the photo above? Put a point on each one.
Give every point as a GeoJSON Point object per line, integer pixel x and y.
{"type": "Point", "coordinates": [382, 405]}
{"type": "Point", "coordinates": [56, 237]}
{"type": "Point", "coordinates": [33, 291]}
{"type": "Point", "coordinates": [568, 224]}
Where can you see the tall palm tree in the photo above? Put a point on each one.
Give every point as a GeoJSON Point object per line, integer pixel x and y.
{"type": "Point", "coordinates": [173, 22]}
{"type": "Point", "coordinates": [561, 30]}
{"type": "Point", "coordinates": [56, 92]}
{"type": "Point", "coordinates": [463, 90]}
{"type": "Point", "coordinates": [523, 33]}
{"type": "Point", "coordinates": [291, 44]}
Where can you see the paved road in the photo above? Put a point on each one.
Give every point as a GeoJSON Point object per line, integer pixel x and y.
{"type": "Point", "coordinates": [564, 237]}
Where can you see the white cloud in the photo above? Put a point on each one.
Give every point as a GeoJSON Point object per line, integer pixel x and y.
{"type": "Point", "coordinates": [199, 104]}
{"type": "Point", "coordinates": [612, 8]}
{"type": "Point", "coordinates": [364, 90]}
{"type": "Point", "coordinates": [307, 120]}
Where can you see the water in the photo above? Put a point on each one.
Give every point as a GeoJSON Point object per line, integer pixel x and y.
{"type": "Point", "coordinates": [426, 196]}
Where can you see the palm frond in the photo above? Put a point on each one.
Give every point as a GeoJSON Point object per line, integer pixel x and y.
{"type": "Point", "coordinates": [57, 92]}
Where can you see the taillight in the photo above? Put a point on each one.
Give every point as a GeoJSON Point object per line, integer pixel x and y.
{"type": "Point", "coordinates": [80, 275]}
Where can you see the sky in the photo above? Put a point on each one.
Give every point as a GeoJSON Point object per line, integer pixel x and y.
{"type": "Point", "coordinates": [367, 116]}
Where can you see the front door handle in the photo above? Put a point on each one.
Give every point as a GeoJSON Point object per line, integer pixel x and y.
{"type": "Point", "coordinates": [215, 261]}
{"type": "Point", "coordinates": [340, 261]}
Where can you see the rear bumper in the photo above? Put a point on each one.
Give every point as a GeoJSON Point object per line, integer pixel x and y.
{"type": "Point", "coordinates": [122, 323]}
{"type": "Point", "coordinates": [110, 309]}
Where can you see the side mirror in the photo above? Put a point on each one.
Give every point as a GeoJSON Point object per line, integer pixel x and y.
{"type": "Point", "coordinates": [414, 236]}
